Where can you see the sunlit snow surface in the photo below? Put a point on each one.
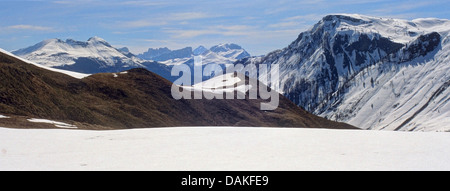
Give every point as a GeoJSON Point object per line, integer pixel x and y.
{"type": "Point", "coordinates": [70, 73]}
{"type": "Point", "coordinates": [221, 84]}
{"type": "Point", "coordinates": [55, 123]}
{"type": "Point", "coordinates": [55, 52]}
{"type": "Point", "coordinates": [211, 148]}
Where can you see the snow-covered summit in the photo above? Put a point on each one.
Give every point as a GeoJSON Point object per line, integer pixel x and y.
{"type": "Point", "coordinates": [96, 39]}
{"type": "Point", "coordinates": [225, 47]}
{"type": "Point", "coordinates": [58, 53]}
{"type": "Point", "coordinates": [341, 67]}
{"type": "Point", "coordinates": [397, 30]}
{"type": "Point", "coordinates": [233, 51]}
{"type": "Point", "coordinates": [70, 73]}
{"type": "Point", "coordinates": [199, 50]}
{"type": "Point", "coordinates": [95, 55]}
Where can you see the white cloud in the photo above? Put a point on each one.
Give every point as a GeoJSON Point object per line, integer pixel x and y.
{"type": "Point", "coordinates": [171, 19]}
{"type": "Point", "coordinates": [401, 10]}
{"type": "Point", "coordinates": [310, 17]}
{"type": "Point", "coordinates": [188, 16]}
{"type": "Point", "coordinates": [296, 21]}
{"type": "Point", "coordinates": [143, 3]}
{"type": "Point", "coordinates": [140, 23]}
{"type": "Point", "coordinates": [78, 2]}
{"type": "Point", "coordinates": [284, 24]}
{"type": "Point", "coordinates": [233, 30]}
{"type": "Point", "coordinates": [29, 27]}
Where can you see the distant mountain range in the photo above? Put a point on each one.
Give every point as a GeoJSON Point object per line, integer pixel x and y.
{"type": "Point", "coordinates": [98, 56]}
{"type": "Point", "coordinates": [136, 98]}
{"type": "Point", "coordinates": [232, 52]}
{"type": "Point", "coordinates": [93, 56]}
{"type": "Point", "coordinates": [163, 54]}
{"type": "Point", "coordinates": [222, 55]}
{"type": "Point", "coordinates": [371, 72]}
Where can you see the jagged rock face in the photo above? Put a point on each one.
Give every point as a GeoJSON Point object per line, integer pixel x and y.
{"type": "Point", "coordinates": [319, 60]}
{"type": "Point", "coordinates": [153, 53]}
{"type": "Point", "coordinates": [318, 69]}
{"type": "Point", "coordinates": [422, 46]}
{"type": "Point", "coordinates": [164, 54]}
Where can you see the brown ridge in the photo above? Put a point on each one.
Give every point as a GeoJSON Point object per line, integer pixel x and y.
{"type": "Point", "coordinates": [138, 99]}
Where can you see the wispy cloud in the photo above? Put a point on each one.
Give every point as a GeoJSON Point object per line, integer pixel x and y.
{"type": "Point", "coordinates": [192, 33]}
{"type": "Point", "coordinates": [78, 2]}
{"type": "Point", "coordinates": [135, 3]}
{"type": "Point", "coordinates": [181, 18]}
{"type": "Point", "coordinates": [309, 17]}
{"type": "Point", "coordinates": [296, 21]}
{"type": "Point", "coordinates": [189, 16]}
{"type": "Point", "coordinates": [285, 24]}
{"type": "Point", "coordinates": [232, 30]}
{"type": "Point", "coordinates": [402, 10]}
{"type": "Point", "coordinates": [139, 24]}
{"type": "Point", "coordinates": [154, 40]}
{"type": "Point", "coordinates": [29, 28]}
{"type": "Point", "coordinates": [63, 2]}
{"type": "Point", "coordinates": [144, 3]}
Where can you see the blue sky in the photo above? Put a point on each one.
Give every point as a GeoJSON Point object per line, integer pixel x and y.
{"type": "Point", "coordinates": [258, 26]}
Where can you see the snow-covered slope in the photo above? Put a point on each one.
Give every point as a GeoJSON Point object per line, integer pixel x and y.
{"type": "Point", "coordinates": [347, 63]}
{"type": "Point", "coordinates": [209, 148]}
{"type": "Point", "coordinates": [57, 53]}
{"type": "Point", "coordinates": [70, 73]}
{"type": "Point", "coordinates": [222, 84]}
{"type": "Point", "coordinates": [93, 56]}
{"type": "Point", "coordinates": [412, 95]}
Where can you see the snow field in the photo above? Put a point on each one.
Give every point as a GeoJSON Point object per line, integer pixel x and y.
{"type": "Point", "coordinates": [215, 148]}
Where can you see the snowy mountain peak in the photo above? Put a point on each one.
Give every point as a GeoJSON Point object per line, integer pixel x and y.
{"type": "Point", "coordinates": [54, 40]}
{"type": "Point", "coordinates": [374, 73]}
{"type": "Point", "coordinates": [232, 51]}
{"type": "Point", "coordinates": [96, 39]}
{"type": "Point", "coordinates": [200, 50]}
{"type": "Point", "coordinates": [36, 47]}
{"type": "Point", "coordinates": [225, 47]}
{"type": "Point", "coordinates": [347, 18]}
{"type": "Point", "coordinates": [93, 56]}
{"type": "Point", "coordinates": [80, 56]}
{"type": "Point", "coordinates": [124, 50]}
{"type": "Point", "coordinates": [396, 30]}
